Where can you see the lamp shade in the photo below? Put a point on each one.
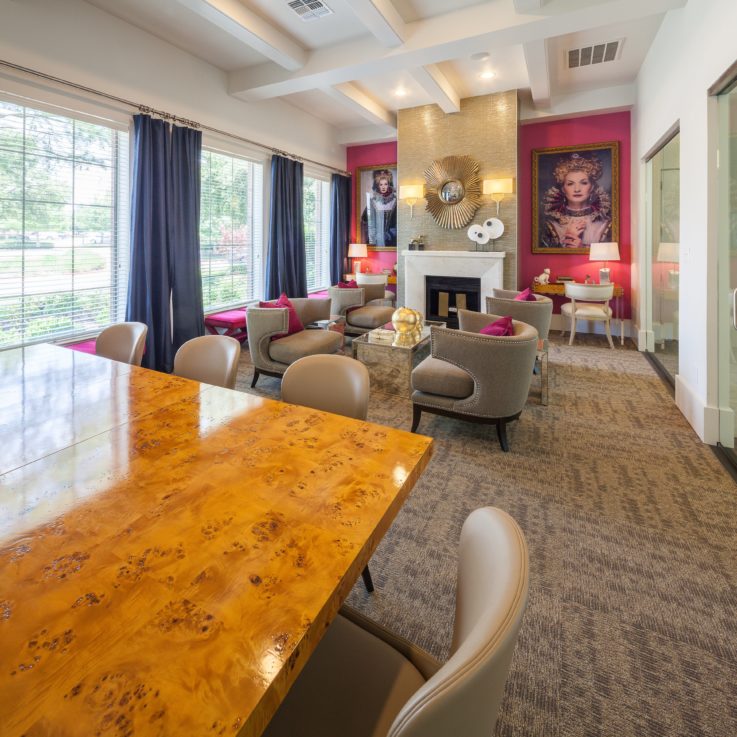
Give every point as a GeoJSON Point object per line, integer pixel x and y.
{"type": "Point", "coordinates": [668, 252]}
{"type": "Point", "coordinates": [604, 252]}
{"type": "Point", "coordinates": [357, 250]}
{"type": "Point", "coordinates": [411, 191]}
{"type": "Point", "coordinates": [498, 186]}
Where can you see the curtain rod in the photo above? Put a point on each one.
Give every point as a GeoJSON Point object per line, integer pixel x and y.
{"type": "Point", "coordinates": [166, 116]}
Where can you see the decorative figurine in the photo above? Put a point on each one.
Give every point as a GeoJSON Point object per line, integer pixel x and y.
{"type": "Point", "coordinates": [543, 278]}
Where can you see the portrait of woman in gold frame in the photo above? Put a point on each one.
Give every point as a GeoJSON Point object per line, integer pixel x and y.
{"type": "Point", "coordinates": [376, 206]}
{"type": "Point", "coordinates": [575, 197]}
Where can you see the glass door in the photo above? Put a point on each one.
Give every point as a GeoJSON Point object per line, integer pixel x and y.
{"type": "Point", "coordinates": [664, 176]}
{"type": "Point", "coordinates": [728, 264]}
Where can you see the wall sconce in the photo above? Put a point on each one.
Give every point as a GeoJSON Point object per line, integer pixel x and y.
{"type": "Point", "coordinates": [604, 252]}
{"type": "Point", "coordinates": [411, 193]}
{"type": "Point", "coordinates": [498, 187]}
{"type": "Point", "coordinates": [357, 251]}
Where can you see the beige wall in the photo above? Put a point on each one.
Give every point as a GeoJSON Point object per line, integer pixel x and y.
{"type": "Point", "coordinates": [486, 129]}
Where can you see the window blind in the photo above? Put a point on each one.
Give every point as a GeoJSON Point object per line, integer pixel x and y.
{"type": "Point", "coordinates": [231, 230]}
{"type": "Point", "coordinates": [317, 233]}
{"type": "Point", "coordinates": [64, 255]}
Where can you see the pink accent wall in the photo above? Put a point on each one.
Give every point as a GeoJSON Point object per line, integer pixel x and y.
{"type": "Point", "coordinates": [571, 132]}
{"type": "Point", "coordinates": [374, 153]}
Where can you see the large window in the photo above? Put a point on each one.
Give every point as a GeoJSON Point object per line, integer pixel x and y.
{"type": "Point", "coordinates": [317, 233]}
{"type": "Point", "coordinates": [231, 230]}
{"type": "Point", "coordinates": [63, 226]}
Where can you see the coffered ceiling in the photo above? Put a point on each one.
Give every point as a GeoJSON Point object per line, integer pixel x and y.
{"type": "Point", "coordinates": [361, 61]}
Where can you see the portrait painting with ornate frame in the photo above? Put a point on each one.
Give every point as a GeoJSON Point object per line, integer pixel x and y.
{"type": "Point", "coordinates": [575, 197]}
{"type": "Point", "coordinates": [376, 200]}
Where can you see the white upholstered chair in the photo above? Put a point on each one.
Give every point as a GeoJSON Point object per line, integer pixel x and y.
{"type": "Point", "coordinates": [123, 342]}
{"type": "Point", "coordinates": [363, 681]}
{"type": "Point", "coordinates": [211, 359]}
{"type": "Point", "coordinates": [329, 383]}
{"type": "Point", "coordinates": [589, 302]}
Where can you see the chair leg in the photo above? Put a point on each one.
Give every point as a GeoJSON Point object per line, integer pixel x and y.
{"type": "Point", "coordinates": [416, 414]}
{"type": "Point", "coordinates": [609, 334]}
{"type": "Point", "coordinates": [256, 374]}
{"type": "Point", "coordinates": [573, 330]}
{"type": "Point", "coordinates": [501, 431]}
{"type": "Point", "coordinates": [367, 582]}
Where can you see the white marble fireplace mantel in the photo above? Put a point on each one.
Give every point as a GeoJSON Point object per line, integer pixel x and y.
{"type": "Point", "coordinates": [485, 265]}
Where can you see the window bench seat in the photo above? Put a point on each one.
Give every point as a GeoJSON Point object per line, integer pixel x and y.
{"type": "Point", "coordinates": [232, 321]}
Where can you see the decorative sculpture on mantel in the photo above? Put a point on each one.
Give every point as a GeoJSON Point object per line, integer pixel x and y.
{"type": "Point", "coordinates": [453, 190]}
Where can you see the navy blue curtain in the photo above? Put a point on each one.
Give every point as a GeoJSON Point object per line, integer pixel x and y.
{"type": "Point", "coordinates": [340, 226]}
{"type": "Point", "coordinates": [149, 287]}
{"type": "Point", "coordinates": [184, 235]}
{"type": "Point", "coordinates": [286, 268]}
{"type": "Point", "coordinates": [165, 254]}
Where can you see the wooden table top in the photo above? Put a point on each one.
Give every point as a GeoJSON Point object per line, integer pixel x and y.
{"type": "Point", "coordinates": [560, 289]}
{"type": "Point", "coordinates": [171, 552]}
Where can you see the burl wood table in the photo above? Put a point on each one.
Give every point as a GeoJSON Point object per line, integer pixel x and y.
{"type": "Point", "coordinates": [170, 552]}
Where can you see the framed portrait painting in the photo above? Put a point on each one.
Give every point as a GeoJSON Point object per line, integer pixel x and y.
{"type": "Point", "coordinates": [575, 197]}
{"type": "Point", "coordinates": [376, 205]}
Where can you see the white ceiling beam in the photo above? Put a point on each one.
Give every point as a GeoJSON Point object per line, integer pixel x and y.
{"type": "Point", "coordinates": [381, 18]}
{"type": "Point", "coordinates": [538, 71]}
{"type": "Point", "coordinates": [244, 25]}
{"type": "Point", "coordinates": [528, 6]}
{"type": "Point", "coordinates": [360, 102]}
{"type": "Point", "coordinates": [440, 38]}
{"type": "Point", "coordinates": [364, 134]}
{"type": "Point", "coordinates": [436, 84]}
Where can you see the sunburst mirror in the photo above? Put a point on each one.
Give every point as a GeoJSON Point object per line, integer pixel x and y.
{"type": "Point", "coordinates": [453, 191]}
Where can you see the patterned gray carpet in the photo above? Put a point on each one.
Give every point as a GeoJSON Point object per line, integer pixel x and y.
{"type": "Point", "coordinates": [631, 627]}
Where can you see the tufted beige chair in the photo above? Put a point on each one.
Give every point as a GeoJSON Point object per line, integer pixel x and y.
{"type": "Point", "coordinates": [123, 342]}
{"type": "Point", "coordinates": [271, 357]}
{"type": "Point", "coordinates": [353, 305]}
{"type": "Point", "coordinates": [364, 681]}
{"type": "Point", "coordinates": [480, 378]}
{"type": "Point", "coordinates": [335, 384]}
{"type": "Point", "coordinates": [211, 359]}
{"type": "Point", "coordinates": [537, 313]}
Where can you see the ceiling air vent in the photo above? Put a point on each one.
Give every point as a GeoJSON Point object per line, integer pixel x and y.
{"type": "Point", "coordinates": [596, 54]}
{"type": "Point", "coordinates": [309, 9]}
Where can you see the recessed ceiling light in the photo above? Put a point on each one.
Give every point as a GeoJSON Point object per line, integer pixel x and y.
{"type": "Point", "coordinates": [400, 92]}
{"type": "Point", "coordinates": [487, 75]}
{"type": "Point", "coordinates": [481, 56]}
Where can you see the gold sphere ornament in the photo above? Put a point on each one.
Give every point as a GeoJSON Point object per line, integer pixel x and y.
{"type": "Point", "coordinates": [404, 320]}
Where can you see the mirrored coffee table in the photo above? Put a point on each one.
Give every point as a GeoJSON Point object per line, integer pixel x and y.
{"type": "Point", "coordinates": [390, 365]}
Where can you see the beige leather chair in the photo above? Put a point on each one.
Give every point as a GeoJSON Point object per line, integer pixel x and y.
{"type": "Point", "coordinates": [211, 359]}
{"type": "Point", "coordinates": [363, 279]}
{"type": "Point", "coordinates": [589, 302]}
{"type": "Point", "coordinates": [335, 384]}
{"type": "Point", "coordinates": [272, 357]}
{"type": "Point", "coordinates": [480, 378]}
{"type": "Point", "coordinates": [123, 342]}
{"type": "Point", "coordinates": [363, 681]}
{"type": "Point", "coordinates": [354, 305]}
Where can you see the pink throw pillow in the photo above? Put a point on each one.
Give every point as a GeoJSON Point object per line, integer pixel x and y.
{"type": "Point", "coordinates": [348, 284]}
{"type": "Point", "coordinates": [501, 328]}
{"type": "Point", "coordinates": [295, 324]}
{"type": "Point", "coordinates": [525, 296]}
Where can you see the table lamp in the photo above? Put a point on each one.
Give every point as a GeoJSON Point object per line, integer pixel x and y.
{"type": "Point", "coordinates": [357, 251]}
{"type": "Point", "coordinates": [668, 253]}
{"type": "Point", "coordinates": [604, 252]}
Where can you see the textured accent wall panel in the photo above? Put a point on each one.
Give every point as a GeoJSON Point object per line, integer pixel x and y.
{"type": "Point", "coordinates": [485, 128]}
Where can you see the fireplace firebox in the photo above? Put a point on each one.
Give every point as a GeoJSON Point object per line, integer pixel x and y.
{"type": "Point", "coordinates": [445, 295]}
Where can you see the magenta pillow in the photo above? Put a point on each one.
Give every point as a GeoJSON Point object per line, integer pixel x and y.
{"type": "Point", "coordinates": [525, 296]}
{"type": "Point", "coordinates": [501, 328]}
{"type": "Point", "coordinates": [348, 284]}
{"type": "Point", "coordinates": [295, 324]}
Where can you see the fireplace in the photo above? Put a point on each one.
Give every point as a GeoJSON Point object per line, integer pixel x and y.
{"type": "Point", "coordinates": [445, 295]}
